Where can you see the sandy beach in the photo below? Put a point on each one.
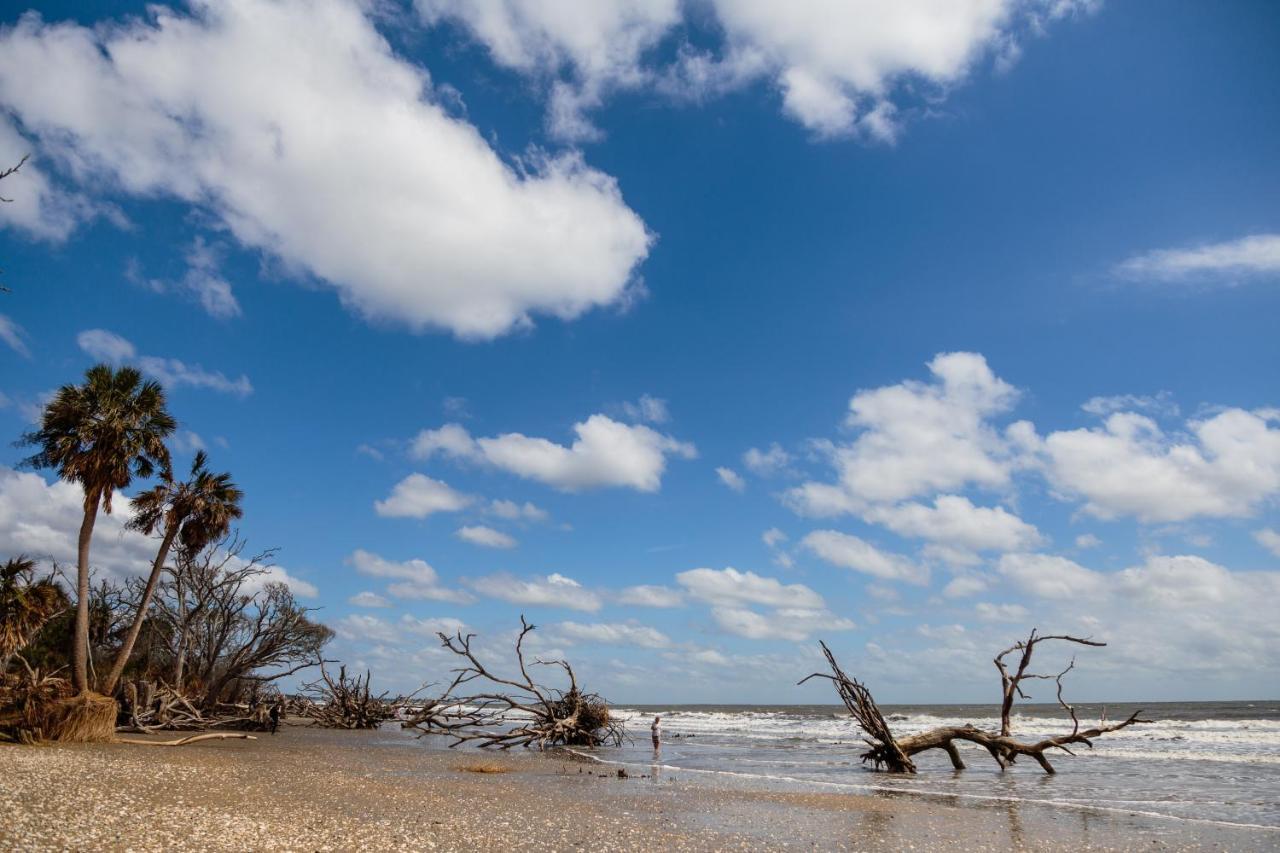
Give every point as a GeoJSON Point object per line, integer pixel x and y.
{"type": "Point", "coordinates": [308, 789]}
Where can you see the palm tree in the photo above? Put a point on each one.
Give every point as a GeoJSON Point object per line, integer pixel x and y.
{"type": "Point", "coordinates": [26, 605]}
{"type": "Point", "coordinates": [100, 434]}
{"type": "Point", "coordinates": [195, 512]}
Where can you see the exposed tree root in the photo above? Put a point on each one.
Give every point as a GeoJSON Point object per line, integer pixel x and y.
{"type": "Point", "coordinates": [894, 753]}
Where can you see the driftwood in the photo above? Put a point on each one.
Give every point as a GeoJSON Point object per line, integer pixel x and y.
{"type": "Point", "coordinates": [894, 753]}
{"type": "Point", "coordinates": [517, 711]}
{"type": "Point", "coordinates": [183, 741]}
{"type": "Point", "coordinates": [345, 703]}
{"type": "Point", "coordinates": [148, 707]}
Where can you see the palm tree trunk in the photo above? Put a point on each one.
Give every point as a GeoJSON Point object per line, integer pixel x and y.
{"type": "Point", "coordinates": [80, 640]}
{"type": "Point", "coordinates": [122, 657]}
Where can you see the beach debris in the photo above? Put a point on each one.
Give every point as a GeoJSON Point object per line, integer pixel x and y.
{"type": "Point", "coordinates": [894, 753]}
{"type": "Point", "coordinates": [347, 703]}
{"type": "Point", "coordinates": [515, 711]}
{"type": "Point", "coordinates": [183, 741]}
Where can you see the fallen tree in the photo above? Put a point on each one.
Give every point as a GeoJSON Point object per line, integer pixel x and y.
{"type": "Point", "coordinates": [894, 753]}
{"type": "Point", "coordinates": [516, 711]}
{"type": "Point", "coordinates": [347, 702]}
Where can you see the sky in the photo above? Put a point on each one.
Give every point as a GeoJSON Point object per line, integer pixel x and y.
{"type": "Point", "coordinates": [694, 331]}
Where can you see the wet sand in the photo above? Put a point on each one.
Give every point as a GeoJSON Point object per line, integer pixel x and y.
{"type": "Point", "coordinates": [308, 789]}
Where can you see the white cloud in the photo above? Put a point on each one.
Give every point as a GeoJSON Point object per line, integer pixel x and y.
{"type": "Point", "coordinates": [731, 478]}
{"type": "Point", "coordinates": [1225, 466]}
{"type": "Point", "coordinates": [360, 626]}
{"type": "Point", "coordinates": [1268, 539]}
{"type": "Point", "coordinates": [1161, 403]}
{"type": "Point", "coordinates": [368, 599]}
{"type": "Point", "coordinates": [554, 590]}
{"type": "Point", "coordinates": [415, 578]}
{"type": "Point", "coordinates": [917, 438]}
{"type": "Point", "coordinates": [730, 587]}
{"type": "Point", "coordinates": [767, 463]}
{"type": "Point", "coordinates": [433, 626]}
{"type": "Point", "coordinates": [512, 511]}
{"type": "Point", "coordinates": [12, 334]}
{"type": "Point", "coordinates": [42, 520]}
{"type": "Point", "coordinates": [418, 496]}
{"type": "Point", "coordinates": [263, 114]}
{"type": "Point", "coordinates": [107, 346]}
{"type": "Point", "coordinates": [1258, 254]}
{"type": "Point", "coordinates": [989, 612]}
{"type": "Point", "coordinates": [485, 537]}
{"type": "Point", "coordinates": [606, 453]}
{"type": "Point", "coordinates": [1048, 576]}
{"type": "Point", "coordinates": [788, 623]}
{"type": "Point", "coordinates": [964, 586]}
{"type": "Point", "coordinates": [650, 409]}
{"type": "Point", "coordinates": [34, 204]}
{"type": "Point", "coordinates": [205, 283]}
{"type": "Point", "coordinates": [649, 595]}
{"type": "Point", "coordinates": [955, 522]}
{"type": "Point", "coordinates": [614, 634]}
{"type": "Point", "coordinates": [773, 537]}
{"type": "Point", "coordinates": [836, 64]}
{"type": "Point", "coordinates": [843, 549]}
{"type": "Point", "coordinates": [1087, 540]}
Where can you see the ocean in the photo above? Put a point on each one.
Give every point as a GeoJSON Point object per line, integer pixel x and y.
{"type": "Point", "coordinates": [1203, 762]}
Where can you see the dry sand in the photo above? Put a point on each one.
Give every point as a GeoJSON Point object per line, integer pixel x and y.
{"type": "Point", "coordinates": [307, 789]}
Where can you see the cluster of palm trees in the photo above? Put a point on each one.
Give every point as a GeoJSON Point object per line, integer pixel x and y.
{"type": "Point", "coordinates": [103, 434]}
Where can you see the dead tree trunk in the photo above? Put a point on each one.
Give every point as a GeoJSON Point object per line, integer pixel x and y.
{"type": "Point", "coordinates": [520, 712]}
{"type": "Point", "coordinates": [894, 753]}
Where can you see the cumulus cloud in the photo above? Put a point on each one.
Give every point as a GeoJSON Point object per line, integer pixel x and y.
{"type": "Point", "coordinates": [418, 496]}
{"type": "Point", "coordinates": [954, 521]}
{"type": "Point", "coordinates": [767, 463]}
{"type": "Point", "coordinates": [260, 114]}
{"type": "Point", "coordinates": [368, 599]}
{"type": "Point", "coordinates": [34, 204]}
{"type": "Point", "coordinates": [1225, 466]}
{"type": "Point", "coordinates": [613, 634]}
{"type": "Point", "coordinates": [107, 346]}
{"type": "Point", "coordinates": [605, 453]}
{"type": "Point", "coordinates": [1268, 539]}
{"type": "Point", "coordinates": [786, 623]}
{"type": "Point", "coordinates": [650, 595]}
{"type": "Point", "coordinates": [485, 537]}
{"type": "Point", "coordinates": [835, 65]}
{"type": "Point", "coordinates": [850, 552]}
{"type": "Point", "coordinates": [917, 437]}
{"type": "Point", "coordinates": [989, 612]}
{"type": "Point", "coordinates": [731, 479]}
{"type": "Point", "coordinates": [415, 579]}
{"type": "Point", "coordinates": [512, 511]}
{"type": "Point", "coordinates": [731, 587]}
{"type": "Point", "coordinates": [554, 590]}
{"type": "Point", "coordinates": [1215, 263]}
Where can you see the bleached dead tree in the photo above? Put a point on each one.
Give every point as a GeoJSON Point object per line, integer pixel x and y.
{"type": "Point", "coordinates": [515, 711]}
{"type": "Point", "coordinates": [894, 753]}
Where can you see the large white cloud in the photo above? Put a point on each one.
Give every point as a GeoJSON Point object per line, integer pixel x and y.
{"type": "Point", "coordinates": [296, 125]}
{"type": "Point", "coordinates": [1225, 466]}
{"type": "Point", "coordinates": [955, 522]}
{"type": "Point", "coordinates": [917, 438]}
{"type": "Point", "coordinates": [605, 453]}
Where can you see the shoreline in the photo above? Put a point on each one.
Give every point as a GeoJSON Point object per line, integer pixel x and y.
{"type": "Point", "coordinates": [314, 789]}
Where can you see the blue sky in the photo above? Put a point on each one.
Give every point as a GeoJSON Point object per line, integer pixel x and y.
{"type": "Point", "coordinates": [999, 283]}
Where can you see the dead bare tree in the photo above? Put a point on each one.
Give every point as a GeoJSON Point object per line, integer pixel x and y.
{"type": "Point", "coordinates": [517, 711]}
{"type": "Point", "coordinates": [4, 173]}
{"type": "Point", "coordinates": [346, 703]}
{"type": "Point", "coordinates": [894, 753]}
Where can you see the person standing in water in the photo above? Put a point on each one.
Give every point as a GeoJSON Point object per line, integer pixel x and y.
{"type": "Point", "coordinates": [656, 729]}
